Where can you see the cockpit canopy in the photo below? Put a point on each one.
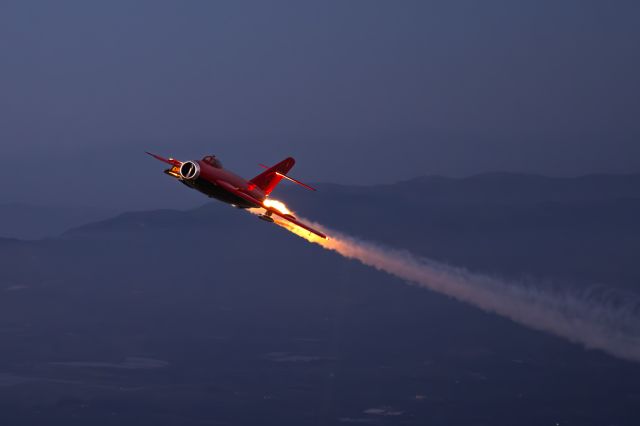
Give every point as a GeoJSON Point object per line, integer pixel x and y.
{"type": "Point", "coordinates": [213, 161]}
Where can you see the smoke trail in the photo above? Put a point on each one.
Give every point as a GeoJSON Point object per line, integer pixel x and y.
{"type": "Point", "coordinates": [580, 318]}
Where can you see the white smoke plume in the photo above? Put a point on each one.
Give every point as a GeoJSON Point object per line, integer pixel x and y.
{"type": "Point", "coordinates": [584, 318]}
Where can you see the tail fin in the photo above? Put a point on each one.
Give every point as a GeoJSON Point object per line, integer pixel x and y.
{"type": "Point", "coordinates": [268, 179]}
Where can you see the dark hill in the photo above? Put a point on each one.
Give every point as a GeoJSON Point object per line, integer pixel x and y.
{"type": "Point", "coordinates": [210, 316]}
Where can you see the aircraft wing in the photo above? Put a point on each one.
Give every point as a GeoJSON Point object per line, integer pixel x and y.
{"type": "Point", "coordinates": [170, 161]}
{"type": "Point", "coordinates": [296, 222]}
{"type": "Point", "coordinates": [241, 194]}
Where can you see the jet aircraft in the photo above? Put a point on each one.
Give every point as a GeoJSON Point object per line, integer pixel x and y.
{"type": "Point", "coordinates": [209, 177]}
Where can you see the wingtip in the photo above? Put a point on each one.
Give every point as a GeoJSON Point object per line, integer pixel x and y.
{"type": "Point", "coordinates": [170, 161]}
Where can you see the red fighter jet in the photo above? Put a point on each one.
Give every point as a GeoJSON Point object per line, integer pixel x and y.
{"type": "Point", "coordinates": [209, 177]}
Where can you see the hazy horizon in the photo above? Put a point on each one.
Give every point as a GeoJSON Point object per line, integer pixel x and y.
{"type": "Point", "coordinates": [191, 202]}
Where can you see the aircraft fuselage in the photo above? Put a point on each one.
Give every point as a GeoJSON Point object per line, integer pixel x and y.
{"type": "Point", "coordinates": [206, 180]}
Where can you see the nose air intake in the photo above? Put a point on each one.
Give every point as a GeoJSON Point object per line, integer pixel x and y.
{"type": "Point", "coordinates": [189, 170]}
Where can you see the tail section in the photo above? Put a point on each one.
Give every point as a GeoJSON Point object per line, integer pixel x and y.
{"type": "Point", "coordinates": [271, 177]}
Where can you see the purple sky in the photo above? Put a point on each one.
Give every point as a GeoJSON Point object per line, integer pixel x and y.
{"type": "Point", "coordinates": [358, 91]}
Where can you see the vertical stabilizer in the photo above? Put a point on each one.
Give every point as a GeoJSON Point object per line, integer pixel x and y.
{"type": "Point", "coordinates": [270, 178]}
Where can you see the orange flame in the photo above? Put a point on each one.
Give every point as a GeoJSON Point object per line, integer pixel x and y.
{"type": "Point", "coordinates": [278, 205]}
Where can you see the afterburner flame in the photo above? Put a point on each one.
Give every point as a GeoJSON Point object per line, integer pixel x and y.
{"type": "Point", "coordinates": [278, 205]}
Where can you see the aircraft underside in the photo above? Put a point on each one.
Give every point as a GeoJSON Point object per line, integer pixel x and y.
{"type": "Point", "coordinates": [214, 191]}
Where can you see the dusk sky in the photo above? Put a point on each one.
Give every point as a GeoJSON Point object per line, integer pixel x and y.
{"type": "Point", "coordinates": [357, 91]}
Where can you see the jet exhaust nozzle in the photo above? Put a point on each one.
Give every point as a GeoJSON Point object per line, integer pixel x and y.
{"type": "Point", "coordinates": [189, 170]}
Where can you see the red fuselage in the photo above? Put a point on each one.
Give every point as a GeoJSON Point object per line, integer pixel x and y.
{"type": "Point", "coordinates": [209, 174]}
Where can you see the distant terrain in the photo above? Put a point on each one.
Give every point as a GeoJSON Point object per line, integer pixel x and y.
{"type": "Point", "coordinates": [209, 316]}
